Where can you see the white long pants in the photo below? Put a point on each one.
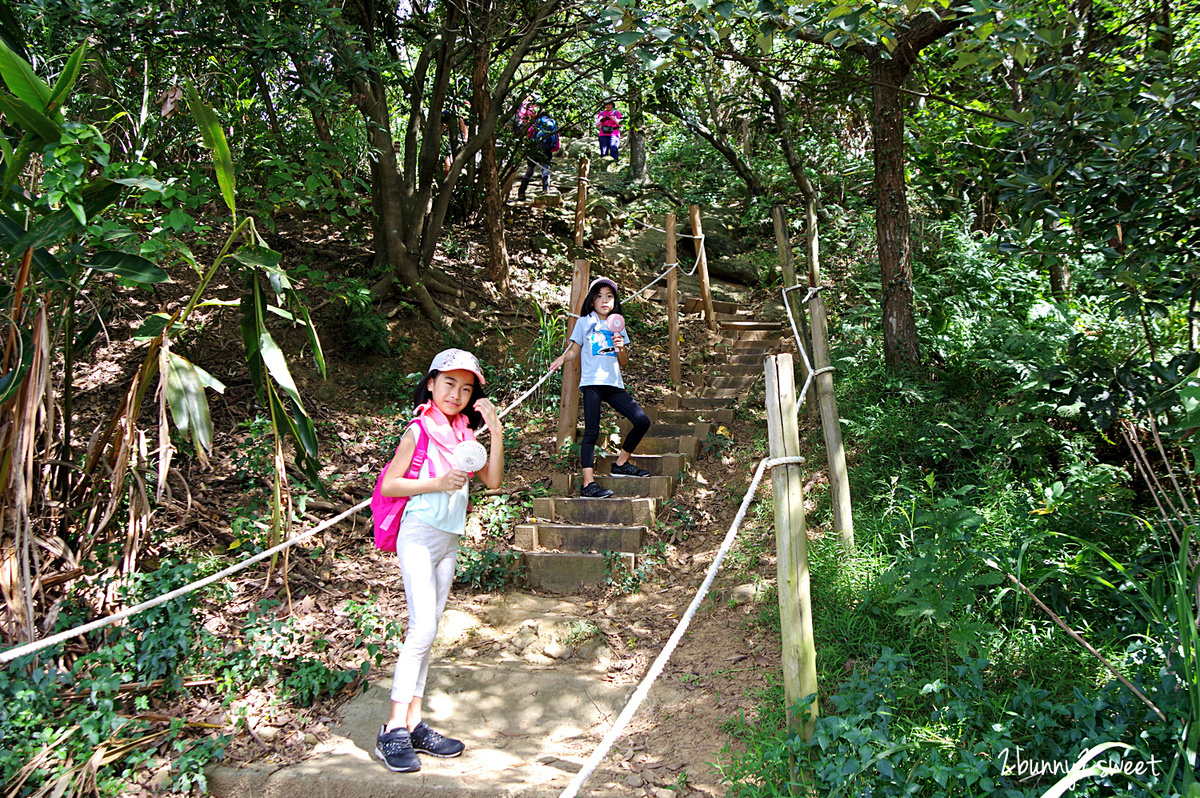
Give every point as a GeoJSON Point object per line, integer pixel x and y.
{"type": "Point", "coordinates": [427, 557]}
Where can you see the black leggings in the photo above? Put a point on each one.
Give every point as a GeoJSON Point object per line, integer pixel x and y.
{"type": "Point", "coordinates": [618, 399]}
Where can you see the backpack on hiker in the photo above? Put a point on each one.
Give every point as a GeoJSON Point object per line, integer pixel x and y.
{"type": "Point", "coordinates": [545, 134]}
{"type": "Point", "coordinates": [387, 510]}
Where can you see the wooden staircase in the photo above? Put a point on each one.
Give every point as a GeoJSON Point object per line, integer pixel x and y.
{"type": "Point", "coordinates": [571, 543]}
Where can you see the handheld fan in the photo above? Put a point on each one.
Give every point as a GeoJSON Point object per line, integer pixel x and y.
{"type": "Point", "coordinates": [468, 456]}
{"type": "Point", "coordinates": [616, 323]}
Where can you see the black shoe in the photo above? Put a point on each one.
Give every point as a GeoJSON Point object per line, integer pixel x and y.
{"type": "Point", "coordinates": [427, 741]}
{"type": "Point", "coordinates": [395, 749]}
{"type": "Point", "coordinates": [594, 491]}
{"type": "Point", "coordinates": [628, 470]}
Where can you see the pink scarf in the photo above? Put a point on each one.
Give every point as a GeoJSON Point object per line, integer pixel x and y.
{"type": "Point", "coordinates": [444, 434]}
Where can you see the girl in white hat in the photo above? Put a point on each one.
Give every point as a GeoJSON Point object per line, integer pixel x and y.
{"type": "Point", "coordinates": [451, 406]}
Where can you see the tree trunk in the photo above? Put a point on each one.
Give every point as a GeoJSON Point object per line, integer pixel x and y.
{"type": "Point", "coordinates": [637, 122]}
{"type": "Point", "coordinates": [754, 186]}
{"type": "Point", "coordinates": [1060, 279]}
{"type": "Point", "coordinates": [265, 93]}
{"type": "Point", "coordinates": [320, 120]}
{"type": "Point", "coordinates": [387, 193]}
{"type": "Point", "coordinates": [892, 220]}
{"type": "Point", "coordinates": [493, 202]}
{"type": "Point", "coordinates": [795, 165]}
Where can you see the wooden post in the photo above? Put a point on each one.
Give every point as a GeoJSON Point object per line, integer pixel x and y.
{"type": "Point", "coordinates": [568, 411]}
{"type": "Point", "coordinates": [791, 546]}
{"type": "Point", "coordinates": [814, 259]}
{"type": "Point", "coordinates": [710, 318]}
{"type": "Point", "coordinates": [673, 302]}
{"type": "Point", "coordinates": [581, 201]}
{"type": "Point", "coordinates": [835, 452]}
{"type": "Point", "coordinates": [784, 245]}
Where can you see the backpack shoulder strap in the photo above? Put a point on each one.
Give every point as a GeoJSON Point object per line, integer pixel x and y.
{"type": "Point", "coordinates": [419, 454]}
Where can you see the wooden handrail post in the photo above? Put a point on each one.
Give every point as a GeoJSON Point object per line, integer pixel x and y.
{"type": "Point", "coordinates": [581, 201]}
{"type": "Point", "coordinates": [568, 410]}
{"type": "Point", "coordinates": [791, 545]}
{"type": "Point", "coordinates": [835, 452]}
{"type": "Point", "coordinates": [814, 253]}
{"type": "Point", "coordinates": [710, 317]}
{"type": "Point", "coordinates": [783, 244]}
{"type": "Point", "coordinates": [673, 302]}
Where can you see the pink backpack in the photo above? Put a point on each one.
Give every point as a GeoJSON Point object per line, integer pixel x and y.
{"type": "Point", "coordinates": [387, 510]}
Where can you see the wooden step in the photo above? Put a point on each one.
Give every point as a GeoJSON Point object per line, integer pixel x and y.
{"type": "Point", "coordinates": [750, 347]}
{"type": "Point", "coordinates": [659, 465]}
{"type": "Point", "coordinates": [748, 359]}
{"type": "Point", "coordinates": [728, 394]}
{"type": "Point", "coordinates": [579, 537]}
{"type": "Point", "coordinates": [697, 429]}
{"type": "Point", "coordinates": [575, 510]}
{"type": "Point", "coordinates": [696, 403]}
{"type": "Point", "coordinates": [687, 446]}
{"type": "Point", "coordinates": [565, 572]}
{"type": "Point", "coordinates": [661, 487]}
{"type": "Point", "coordinates": [751, 326]}
{"type": "Point", "coordinates": [694, 304]}
{"type": "Point", "coordinates": [737, 369]}
{"type": "Point", "coordinates": [740, 381]}
{"type": "Point", "coordinates": [682, 416]}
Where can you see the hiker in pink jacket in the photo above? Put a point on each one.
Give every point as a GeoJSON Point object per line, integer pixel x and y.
{"type": "Point", "coordinates": [608, 123]}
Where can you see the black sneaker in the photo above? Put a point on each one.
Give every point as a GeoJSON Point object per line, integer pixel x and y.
{"type": "Point", "coordinates": [427, 741]}
{"type": "Point", "coordinates": [395, 749]}
{"type": "Point", "coordinates": [628, 470]}
{"type": "Point", "coordinates": [594, 491]}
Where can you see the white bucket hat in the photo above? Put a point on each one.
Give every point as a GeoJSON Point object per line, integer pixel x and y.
{"type": "Point", "coordinates": [451, 359]}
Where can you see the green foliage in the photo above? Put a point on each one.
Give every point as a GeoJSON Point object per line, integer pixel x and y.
{"type": "Point", "coordinates": [624, 579]}
{"type": "Point", "coordinates": [497, 514]}
{"type": "Point", "coordinates": [367, 329]}
{"type": "Point", "coordinates": [486, 569]}
{"type": "Point", "coordinates": [938, 575]}
{"type": "Point", "coordinates": [273, 652]}
{"type": "Point", "coordinates": [393, 384]}
{"type": "Point", "coordinates": [252, 459]}
{"type": "Point", "coordinates": [164, 634]}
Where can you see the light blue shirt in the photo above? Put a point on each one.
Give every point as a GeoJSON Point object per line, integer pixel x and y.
{"type": "Point", "coordinates": [444, 510]}
{"type": "Point", "coordinates": [597, 352]}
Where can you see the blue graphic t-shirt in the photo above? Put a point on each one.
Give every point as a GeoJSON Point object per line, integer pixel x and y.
{"type": "Point", "coordinates": [598, 354]}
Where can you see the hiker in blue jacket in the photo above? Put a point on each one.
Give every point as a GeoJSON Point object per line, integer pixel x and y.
{"type": "Point", "coordinates": [541, 144]}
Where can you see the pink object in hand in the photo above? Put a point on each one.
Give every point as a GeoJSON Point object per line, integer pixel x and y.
{"type": "Point", "coordinates": [616, 322]}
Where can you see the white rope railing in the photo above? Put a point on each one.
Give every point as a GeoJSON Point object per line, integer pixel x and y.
{"type": "Point", "coordinates": [643, 689]}
{"type": "Point", "coordinates": [670, 267]}
{"type": "Point", "coordinates": [33, 647]}
{"type": "Point", "coordinates": [811, 373]}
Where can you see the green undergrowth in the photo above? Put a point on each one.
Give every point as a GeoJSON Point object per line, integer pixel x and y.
{"type": "Point", "coordinates": [938, 673]}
